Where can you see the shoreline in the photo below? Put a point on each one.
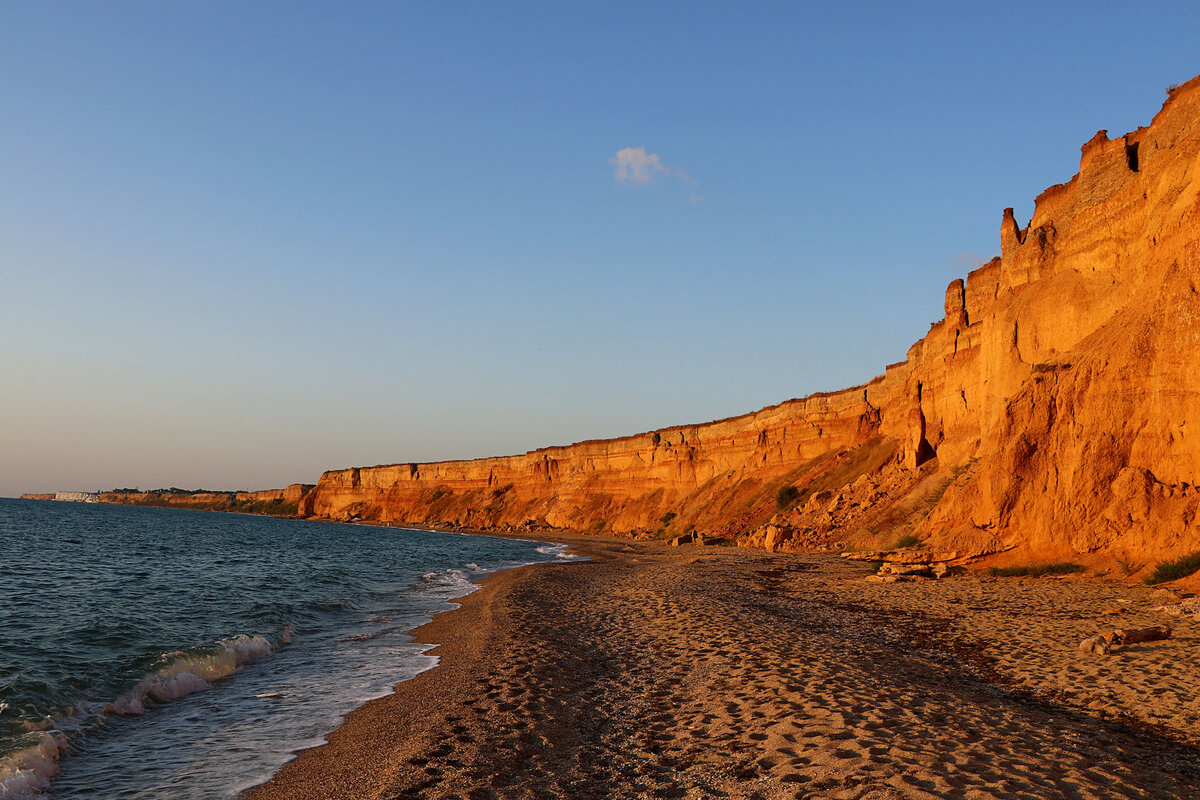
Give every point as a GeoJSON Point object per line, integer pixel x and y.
{"type": "Point", "coordinates": [308, 774]}
{"type": "Point", "coordinates": [179, 677]}
{"type": "Point", "coordinates": [707, 672]}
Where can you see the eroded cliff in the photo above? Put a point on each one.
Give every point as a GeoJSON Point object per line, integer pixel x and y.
{"type": "Point", "coordinates": [1051, 412]}
{"type": "Point", "coordinates": [1047, 412]}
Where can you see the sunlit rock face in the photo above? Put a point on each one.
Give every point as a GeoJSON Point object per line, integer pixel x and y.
{"type": "Point", "coordinates": [1054, 409]}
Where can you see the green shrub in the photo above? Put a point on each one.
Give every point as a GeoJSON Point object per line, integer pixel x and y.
{"type": "Point", "coordinates": [787, 496]}
{"type": "Point", "coordinates": [1173, 570]}
{"type": "Point", "coordinates": [1127, 566]}
{"type": "Point", "coordinates": [1035, 570]}
{"type": "Point", "coordinates": [907, 540]}
{"type": "Point", "coordinates": [666, 518]}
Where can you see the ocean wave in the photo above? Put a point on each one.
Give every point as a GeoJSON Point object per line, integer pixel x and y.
{"type": "Point", "coordinates": [26, 772]}
{"type": "Point", "coordinates": [559, 551]}
{"type": "Point", "coordinates": [453, 582]}
{"type": "Point", "coordinates": [366, 637]}
{"type": "Point", "coordinates": [185, 672]}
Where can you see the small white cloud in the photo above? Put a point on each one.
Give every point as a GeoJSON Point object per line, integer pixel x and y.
{"type": "Point", "coordinates": [633, 165]}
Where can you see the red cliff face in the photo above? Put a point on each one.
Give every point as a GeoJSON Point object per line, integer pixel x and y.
{"type": "Point", "coordinates": [714, 476]}
{"type": "Point", "coordinates": [1054, 409]}
{"type": "Point", "coordinates": [1091, 350]}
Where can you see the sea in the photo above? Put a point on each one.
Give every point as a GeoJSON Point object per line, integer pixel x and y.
{"type": "Point", "coordinates": [170, 653]}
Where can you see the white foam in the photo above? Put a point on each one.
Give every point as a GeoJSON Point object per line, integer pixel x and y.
{"type": "Point", "coordinates": [28, 772]}
{"type": "Point", "coordinates": [450, 584]}
{"type": "Point", "coordinates": [187, 673]}
{"type": "Point", "coordinates": [182, 673]}
{"type": "Point", "coordinates": [559, 551]}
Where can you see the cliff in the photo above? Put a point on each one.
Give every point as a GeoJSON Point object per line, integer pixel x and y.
{"type": "Point", "coordinates": [274, 502]}
{"type": "Point", "coordinates": [719, 476]}
{"type": "Point", "coordinates": [1047, 413]}
{"type": "Point", "coordinates": [1051, 412]}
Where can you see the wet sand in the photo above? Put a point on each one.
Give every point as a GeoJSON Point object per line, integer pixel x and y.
{"type": "Point", "coordinates": [718, 672]}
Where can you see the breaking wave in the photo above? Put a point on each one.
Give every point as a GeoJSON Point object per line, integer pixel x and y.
{"type": "Point", "coordinates": [183, 672]}
{"type": "Point", "coordinates": [27, 771]}
{"type": "Point", "coordinates": [84, 691]}
{"type": "Point", "coordinates": [559, 551]}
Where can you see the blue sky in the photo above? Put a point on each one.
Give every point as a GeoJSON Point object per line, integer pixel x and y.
{"type": "Point", "coordinates": [243, 243]}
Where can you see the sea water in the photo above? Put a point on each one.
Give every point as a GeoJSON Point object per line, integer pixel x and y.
{"type": "Point", "coordinates": [168, 653]}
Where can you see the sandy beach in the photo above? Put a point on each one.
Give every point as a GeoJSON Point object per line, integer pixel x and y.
{"type": "Point", "coordinates": [696, 672]}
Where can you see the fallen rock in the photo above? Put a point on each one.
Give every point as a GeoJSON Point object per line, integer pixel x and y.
{"type": "Point", "coordinates": [818, 500]}
{"type": "Point", "coordinates": [777, 535]}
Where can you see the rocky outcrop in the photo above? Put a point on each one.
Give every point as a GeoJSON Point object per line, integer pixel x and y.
{"type": "Point", "coordinates": [1050, 411]}
{"type": "Point", "coordinates": [1089, 358]}
{"type": "Point", "coordinates": [288, 494]}
{"type": "Point", "coordinates": [274, 502]}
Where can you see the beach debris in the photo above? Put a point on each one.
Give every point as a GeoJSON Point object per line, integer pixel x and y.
{"type": "Point", "coordinates": [901, 556]}
{"type": "Point", "coordinates": [905, 569]}
{"type": "Point", "coordinates": [1184, 608]}
{"type": "Point", "coordinates": [906, 564]}
{"type": "Point", "coordinates": [693, 537]}
{"type": "Point", "coordinates": [1104, 643]}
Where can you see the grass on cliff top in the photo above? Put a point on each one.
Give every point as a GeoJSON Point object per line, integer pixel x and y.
{"type": "Point", "coordinates": [1173, 570]}
{"type": "Point", "coordinates": [1035, 570]}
